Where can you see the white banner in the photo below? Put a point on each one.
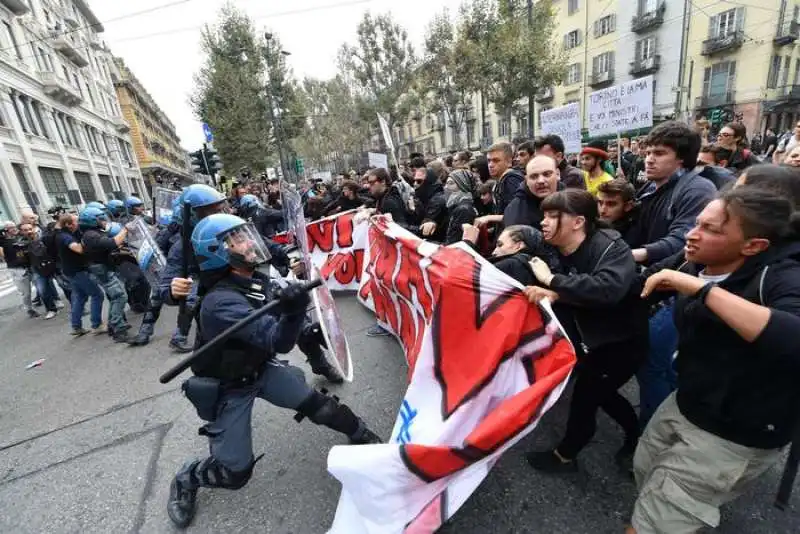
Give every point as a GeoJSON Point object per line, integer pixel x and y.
{"type": "Point", "coordinates": [377, 160]}
{"type": "Point", "coordinates": [624, 107]}
{"type": "Point", "coordinates": [564, 122]}
{"type": "Point", "coordinates": [484, 366]}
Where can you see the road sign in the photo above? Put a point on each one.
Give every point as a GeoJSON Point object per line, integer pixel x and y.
{"type": "Point", "coordinates": [207, 132]}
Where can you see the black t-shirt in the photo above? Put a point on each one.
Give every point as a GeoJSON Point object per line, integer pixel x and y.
{"type": "Point", "coordinates": [97, 247]}
{"type": "Point", "coordinates": [71, 262]}
{"type": "Point", "coordinates": [15, 251]}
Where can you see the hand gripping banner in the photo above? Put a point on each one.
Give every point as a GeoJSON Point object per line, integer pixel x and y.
{"type": "Point", "coordinates": [149, 256]}
{"type": "Point", "coordinates": [484, 366]}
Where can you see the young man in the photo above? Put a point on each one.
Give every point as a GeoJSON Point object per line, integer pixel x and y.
{"type": "Point", "coordinates": [553, 146]}
{"type": "Point", "coordinates": [616, 205]}
{"type": "Point", "coordinates": [593, 155]}
{"type": "Point", "coordinates": [708, 167]}
{"type": "Point", "coordinates": [507, 182]}
{"type": "Point", "coordinates": [525, 152]}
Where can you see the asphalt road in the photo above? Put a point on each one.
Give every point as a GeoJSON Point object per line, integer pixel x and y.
{"type": "Point", "coordinates": [91, 440]}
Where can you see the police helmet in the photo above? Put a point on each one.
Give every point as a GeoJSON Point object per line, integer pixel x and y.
{"type": "Point", "coordinates": [113, 229]}
{"type": "Point", "coordinates": [91, 218]}
{"type": "Point", "coordinates": [95, 204]}
{"type": "Point", "coordinates": [201, 195]}
{"type": "Point", "coordinates": [116, 207]}
{"type": "Point", "coordinates": [133, 202]}
{"type": "Point", "coordinates": [221, 240]}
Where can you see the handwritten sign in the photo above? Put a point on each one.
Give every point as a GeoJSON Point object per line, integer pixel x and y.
{"type": "Point", "coordinates": [564, 122]}
{"type": "Point", "coordinates": [378, 161]}
{"type": "Point", "coordinates": [624, 107]}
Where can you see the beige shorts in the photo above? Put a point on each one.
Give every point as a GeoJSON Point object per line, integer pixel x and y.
{"type": "Point", "coordinates": [684, 474]}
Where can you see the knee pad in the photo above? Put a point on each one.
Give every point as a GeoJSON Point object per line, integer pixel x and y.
{"type": "Point", "coordinates": [211, 474]}
{"type": "Point", "coordinates": [310, 337]}
{"type": "Point", "coordinates": [326, 410]}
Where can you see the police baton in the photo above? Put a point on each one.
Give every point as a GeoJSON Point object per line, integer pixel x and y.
{"type": "Point", "coordinates": [186, 363]}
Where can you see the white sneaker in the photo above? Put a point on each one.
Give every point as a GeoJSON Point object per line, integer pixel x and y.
{"type": "Point", "coordinates": [102, 329]}
{"type": "Point", "coordinates": [50, 315]}
{"type": "Point", "coordinates": [60, 305]}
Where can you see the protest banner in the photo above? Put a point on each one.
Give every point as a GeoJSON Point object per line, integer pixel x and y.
{"type": "Point", "coordinates": [628, 106]}
{"type": "Point", "coordinates": [378, 160]}
{"type": "Point", "coordinates": [564, 122]}
{"type": "Point", "coordinates": [387, 137]}
{"type": "Point", "coordinates": [484, 366]}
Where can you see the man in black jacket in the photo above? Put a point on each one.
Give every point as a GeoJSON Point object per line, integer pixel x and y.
{"type": "Point", "coordinates": [553, 146]}
{"type": "Point", "coordinates": [430, 206]}
{"type": "Point", "coordinates": [388, 199]}
{"type": "Point", "coordinates": [541, 180]}
{"type": "Point", "coordinates": [737, 403]}
{"type": "Point", "coordinates": [507, 181]}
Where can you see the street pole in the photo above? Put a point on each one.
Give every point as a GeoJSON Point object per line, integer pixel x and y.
{"type": "Point", "coordinates": [530, 95]}
{"type": "Point", "coordinates": [276, 127]}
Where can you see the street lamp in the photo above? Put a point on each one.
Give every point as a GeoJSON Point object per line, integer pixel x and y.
{"type": "Point", "coordinates": [275, 112]}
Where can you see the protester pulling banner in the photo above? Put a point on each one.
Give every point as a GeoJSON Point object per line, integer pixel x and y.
{"type": "Point", "coordinates": [485, 365]}
{"type": "Point", "coordinates": [149, 256]}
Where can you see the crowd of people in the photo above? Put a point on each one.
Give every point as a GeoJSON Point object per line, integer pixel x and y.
{"type": "Point", "coordinates": [666, 259]}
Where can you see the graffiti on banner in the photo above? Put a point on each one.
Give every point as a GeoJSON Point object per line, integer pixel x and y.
{"type": "Point", "coordinates": [485, 366]}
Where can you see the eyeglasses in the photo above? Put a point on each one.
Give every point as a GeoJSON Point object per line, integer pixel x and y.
{"type": "Point", "coordinates": [724, 134]}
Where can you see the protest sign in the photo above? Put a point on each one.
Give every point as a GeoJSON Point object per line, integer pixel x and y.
{"type": "Point", "coordinates": [377, 160]}
{"type": "Point", "coordinates": [564, 122]}
{"type": "Point", "coordinates": [485, 365]}
{"type": "Point", "coordinates": [624, 107]}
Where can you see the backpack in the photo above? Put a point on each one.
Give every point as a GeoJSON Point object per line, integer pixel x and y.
{"type": "Point", "coordinates": [41, 260]}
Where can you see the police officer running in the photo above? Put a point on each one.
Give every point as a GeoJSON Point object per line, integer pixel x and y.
{"type": "Point", "coordinates": [98, 248]}
{"type": "Point", "coordinates": [228, 379]}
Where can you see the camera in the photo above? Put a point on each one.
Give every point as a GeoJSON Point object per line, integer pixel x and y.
{"type": "Point", "coordinates": [56, 211]}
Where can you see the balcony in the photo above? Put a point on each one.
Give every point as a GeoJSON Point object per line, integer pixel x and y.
{"type": "Point", "coordinates": [60, 89]}
{"type": "Point", "coordinates": [70, 18]}
{"type": "Point", "coordinates": [469, 115]}
{"type": "Point", "coordinates": [544, 95]}
{"type": "Point", "coordinates": [788, 93]}
{"type": "Point", "coordinates": [649, 20]}
{"type": "Point", "coordinates": [600, 79]}
{"type": "Point", "coordinates": [727, 43]}
{"type": "Point", "coordinates": [63, 43]}
{"type": "Point", "coordinates": [120, 124]}
{"type": "Point", "coordinates": [713, 101]}
{"type": "Point", "coordinates": [787, 33]}
{"type": "Point", "coordinates": [643, 67]}
{"type": "Point", "coordinates": [17, 7]}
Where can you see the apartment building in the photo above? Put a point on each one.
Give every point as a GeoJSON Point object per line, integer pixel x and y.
{"type": "Point", "coordinates": [155, 142]}
{"type": "Point", "coordinates": [744, 64]}
{"type": "Point", "coordinates": [63, 140]}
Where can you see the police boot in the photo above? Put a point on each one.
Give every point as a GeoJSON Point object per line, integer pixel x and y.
{"type": "Point", "coordinates": [143, 337]}
{"type": "Point", "coordinates": [180, 345]}
{"type": "Point", "coordinates": [182, 503]}
{"type": "Point", "coordinates": [324, 409]}
{"type": "Point", "coordinates": [311, 343]}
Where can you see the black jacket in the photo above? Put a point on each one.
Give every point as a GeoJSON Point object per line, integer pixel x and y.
{"type": "Point", "coordinates": [744, 392]}
{"type": "Point", "coordinates": [15, 251]}
{"type": "Point", "coordinates": [524, 209]}
{"type": "Point", "coordinates": [392, 203]}
{"type": "Point", "coordinates": [267, 221]}
{"type": "Point", "coordinates": [516, 266]}
{"type": "Point", "coordinates": [506, 188]}
{"type": "Point", "coordinates": [431, 206]}
{"type": "Point", "coordinates": [462, 213]}
{"type": "Point", "coordinates": [602, 291]}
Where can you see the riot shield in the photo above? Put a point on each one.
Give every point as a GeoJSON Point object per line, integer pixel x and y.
{"type": "Point", "coordinates": [164, 200]}
{"type": "Point", "coordinates": [295, 222]}
{"type": "Point", "coordinates": [149, 256]}
{"type": "Point", "coordinates": [338, 350]}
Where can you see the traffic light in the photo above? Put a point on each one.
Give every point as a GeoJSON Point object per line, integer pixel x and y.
{"type": "Point", "coordinates": [198, 162]}
{"type": "Point", "coordinates": [213, 163]}
{"type": "Point", "coordinates": [298, 166]}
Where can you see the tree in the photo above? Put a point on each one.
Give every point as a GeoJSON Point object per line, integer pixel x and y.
{"type": "Point", "coordinates": [381, 64]}
{"type": "Point", "coordinates": [509, 52]}
{"type": "Point", "coordinates": [230, 94]}
{"type": "Point", "coordinates": [443, 74]}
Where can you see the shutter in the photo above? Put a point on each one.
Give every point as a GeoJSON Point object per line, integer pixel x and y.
{"type": "Point", "coordinates": [771, 75]}
{"type": "Point", "coordinates": [731, 76]}
{"type": "Point", "coordinates": [611, 57]}
{"type": "Point", "coordinates": [637, 55]}
{"type": "Point", "coordinates": [594, 64]}
{"type": "Point", "coordinates": [597, 27]}
{"type": "Point", "coordinates": [612, 22]}
{"type": "Point", "coordinates": [713, 24]}
{"type": "Point", "coordinates": [566, 41]}
{"type": "Point", "coordinates": [579, 37]}
{"type": "Point", "coordinates": [706, 81]}
{"type": "Point", "coordinates": [580, 75]}
{"type": "Point", "coordinates": [739, 18]}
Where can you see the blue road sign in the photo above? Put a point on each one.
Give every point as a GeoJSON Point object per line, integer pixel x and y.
{"type": "Point", "coordinates": [208, 134]}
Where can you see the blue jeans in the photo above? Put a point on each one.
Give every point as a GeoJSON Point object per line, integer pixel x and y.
{"type": "Point", "coordinates": [115, 293]}
{"type": "Point", "coordinates": [83, 287]}
{"type": "Point", "coordinates": [657, 377]}
{"type": "Point", "coordinates": [46, 290]}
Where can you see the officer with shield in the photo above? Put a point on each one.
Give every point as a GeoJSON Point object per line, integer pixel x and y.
{"type": "Point", "coordinates": [229, 378]}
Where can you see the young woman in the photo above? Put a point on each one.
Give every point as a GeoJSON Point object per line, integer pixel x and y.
{"type": "Point", "coordinates": [732, 152]}
{"type": "Point", "coordinates": [602, 295]}
{"type": "Point", "coordinates": [459, 192]}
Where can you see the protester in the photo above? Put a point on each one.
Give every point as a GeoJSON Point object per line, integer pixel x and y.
{"type": "Point", "coordinates": [459, 192]}
{"type": "Point", "coordinates": [732, 152]}
{"type": "Point", "coordinates": [349, 199]}
{"type": "Point", "coordinates": [516, 247]}
{"type": "Point", "coordinates": [708, 167]}
{"type": "Point", "coordinates": [602, 294]}
{"type": "Point", "coordinates": [485, 199]}
{"type": "Point", "coordinates": [593, 156]}
{"type": "Point", "coordinates": [617, 207]}
{"type": "Point", "coordinates": [737, 403]}
{"type": "Point", "coordinates": [525, 151]}
{"type": "Point", "coordinates": [507, 181]}
{"type": "Point", "coordinates": [461, 160]}
{"type": "Point", "coordinates": [540, 181]}
{"type": "Point", "coordinates": [430, 205]}
{"type": "Point", "coordinates": [553, 146]}
{"type": "Point", "coordinates": [15, 253]}
{"type": "Point", "coordinates": [792, 159]}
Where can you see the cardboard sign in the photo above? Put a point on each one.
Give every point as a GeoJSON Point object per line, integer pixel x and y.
{"type": "Point", "coordinates": [624, 107]}
{"type": "Point", "coordinates": [564, 122]}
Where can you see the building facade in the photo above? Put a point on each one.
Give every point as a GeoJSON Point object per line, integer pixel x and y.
{"type": "Point", "coordinates": [155, 143]}
{"type": "Point", "coordinates": [63, 141]}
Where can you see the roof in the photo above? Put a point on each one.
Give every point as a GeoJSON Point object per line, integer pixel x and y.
{"type": "Point", "coordinates": [83, 7]}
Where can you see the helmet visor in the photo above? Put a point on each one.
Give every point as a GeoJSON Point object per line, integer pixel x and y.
{"type": "Point", "coordinates": [245, 247]}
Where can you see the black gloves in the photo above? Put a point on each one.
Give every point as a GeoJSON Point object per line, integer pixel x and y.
{"type": "Point", "coordinates": [294, 299]}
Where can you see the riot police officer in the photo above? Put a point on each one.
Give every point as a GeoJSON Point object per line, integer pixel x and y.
{"type": "Point", "coordinates": [227, 380]}
{"type": "Point", "coordinates": [98, 249]}
{"type": "Point", "coordinates": [116, 208]}
{"type": "Point", "coordinates": [267, 221]}
{"type": "Point", "coordinates": [134, 207]}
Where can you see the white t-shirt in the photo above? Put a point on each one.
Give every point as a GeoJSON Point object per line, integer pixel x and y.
{"type": "Point", "coordinates": [788, 144]}
{"type": "Point", "coordinates": [713, 278]}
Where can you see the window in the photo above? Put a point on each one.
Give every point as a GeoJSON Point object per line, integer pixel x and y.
{"type": "Point", "coordinates": [24, 184]}
{"type": "Point", "coordinates": [605, 25]}
{"type": "Point", "coordinates": [105, 181]}
{"type": "Point", "coordinates": [603, 63]}
{"type": "Point", "coordinates": [76, 142]}
{"type": "Point", "coordinates": [90, 138]}
{"type": "Point", "coordinates": [523, 125]}
{"type": "Point", "coordinates": [726, 23]}
{"type": "Point", "coordinates": [17, 105]}
{"type": "Point", "coordinates": [645, 48]}
{"type": "Point", "coordinates": [471, 131]}
{"type": "Point", "coordinates": [774, 68]}
{"type": "Point", "coordinates": [787, 63]}
{"type": "Point", "coordinates": [26, 110]}
{"type": "Point", "coordinates": [55, 185]}
{"type": "Point", "coordinates": [573, 74]}
{"type": "Point", "coordinates": [487, 130]}
{"type": "Point", "coordinates": [85, 186]}
{"type": "Point", "coordinates": [59, 128]}
{"type": "Point", "coordinates": [647, 6]}
{"type": "Point", "coordinates": [37, 112]}
{"type": "Point", "coordinates": [572, 6]}
{"type": "Point", "coordinates": [718, 79]}
{"type": "Point", "coordinates": [12, 40]}
{"type": "Point", "coordinates": [572, 39]}
{"type": "Point", "coordinates": [503, 126]}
